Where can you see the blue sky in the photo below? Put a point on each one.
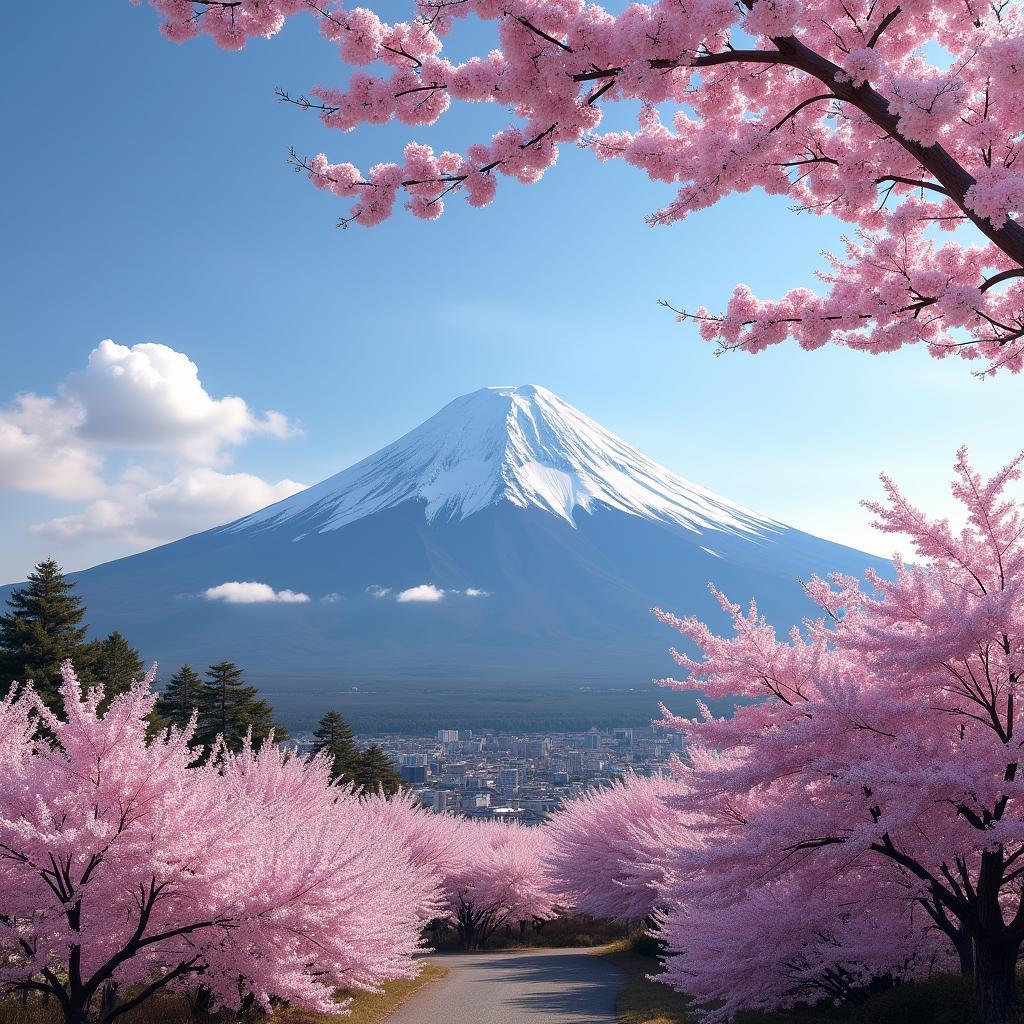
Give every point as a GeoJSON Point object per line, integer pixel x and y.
{"type": "Point", "coordinates": [149, 201]}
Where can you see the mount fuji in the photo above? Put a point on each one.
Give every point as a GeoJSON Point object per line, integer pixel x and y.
{"type": "Point", "coordinates": [507, 544]}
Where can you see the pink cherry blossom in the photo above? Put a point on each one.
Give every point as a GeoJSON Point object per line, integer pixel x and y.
{"type": "Point", "coordinates": [497, 877]}
{"type": "Point", "coordinates": [839, 108]}
{"type": "Point", "coordinates": [124, 869]}
{"type": "Point", "coordinates": [872, 765]}
{"type": "Point", "coordinates": [611, 849]}
{"type": "Point", "coordinates": [782, 944]}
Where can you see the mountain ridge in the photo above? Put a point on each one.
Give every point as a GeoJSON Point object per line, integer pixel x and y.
{"type": "Point", "coordinates": [520, 444]}
{"type": "Point", "coordinates": [499, 585]}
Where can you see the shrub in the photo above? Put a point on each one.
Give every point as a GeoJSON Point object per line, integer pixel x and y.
{"type": "Point", "coordinates": [943, 999]}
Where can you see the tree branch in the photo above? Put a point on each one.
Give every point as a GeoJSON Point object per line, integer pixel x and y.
{"type": "Point", "coordinates": [883, 25]}
{"type": "Point", "coordinates": [704, 61]}
{"type": "Point", "coordinates": [800, 106]}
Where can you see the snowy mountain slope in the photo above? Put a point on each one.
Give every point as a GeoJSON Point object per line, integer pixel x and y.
{"type": "Point", "coordinates": [523, 445]}
{"type": "Point", "coordinates": [536, 542]}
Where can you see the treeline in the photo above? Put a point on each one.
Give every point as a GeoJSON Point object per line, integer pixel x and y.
{"type": "Point", "coordinates": [44, 626]}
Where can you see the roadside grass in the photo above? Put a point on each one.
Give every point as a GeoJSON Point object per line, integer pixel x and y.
{"type": "Point", "coordinates": [644, 1001]}
{"type": "Point", "coordinates": [367, 1008]}
{"type": "Point", "coordinates": [169, 1008]}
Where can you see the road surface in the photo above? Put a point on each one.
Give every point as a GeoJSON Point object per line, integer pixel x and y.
{"type": "Point", "coordinates": [547, 986]}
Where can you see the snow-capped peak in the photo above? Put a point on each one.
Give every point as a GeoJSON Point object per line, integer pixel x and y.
{"type": "Point", "coordinates": [523, 445]}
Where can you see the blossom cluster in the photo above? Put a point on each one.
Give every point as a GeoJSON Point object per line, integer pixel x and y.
{"type": "Point", "coordinates": [838, 107]}
{"type": "Point", "coordinates": [127, 866]}
{"type": "Point", "coordinates": [858, 815]}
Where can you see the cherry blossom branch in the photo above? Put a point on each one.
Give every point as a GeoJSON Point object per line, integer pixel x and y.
{"type": "Point", "coordinates": [303, 102]}
{"type": "Point", "coordinates": [882, 26]}
{"type": "Point", "coordinates": [526, 23]}
{"type": "Point", "coordinates": [891, 123]}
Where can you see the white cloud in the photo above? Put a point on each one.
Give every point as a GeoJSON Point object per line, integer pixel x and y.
{"type": "Point", "coordinates": [147, 400]}
{"type": "Point", "coordinates": [424, 592]}
{"type": "Point", "coordinates": [237, 592]}
{"type": "Point", "coordinates": [150, 396]}
{"type": "Point", "coordinates": [145, 397]}
{"type": "Point", "coordinates": [139, 511]}
{"type": "Point", "coordinates": [39, 452]}
{"type": "Point", "coordinates": [332, 598]}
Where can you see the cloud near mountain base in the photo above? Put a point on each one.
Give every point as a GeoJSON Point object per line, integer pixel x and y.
{"type": "Point", "coordinates": [424, 592]}
{"type": "Point", "coordinates": [251, 592]}
{"type": "Point", "coordinates": [428, 593]}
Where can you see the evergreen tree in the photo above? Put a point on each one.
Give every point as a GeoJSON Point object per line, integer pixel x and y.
{"type": "Point", "coordinates": [334, 736]}
{"type": "Point", "coordinates": [180, 697]}
{"type": "Point", "coordinates": [229, 708]}
{"type": "Point", "coordinates": [42, 628]}
{"type": "Point", "coordinates": [375, 770]}
{"type": "Point", "coordinates": [117, 667]}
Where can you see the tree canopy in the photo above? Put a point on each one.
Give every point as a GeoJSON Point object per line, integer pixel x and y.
{"type": "Point", "coordinates": [42, 628]}
{"type": "Point", "coordinates": [232, 710]}
{"type": "Point", "coordinates": [181, 696]}
{"type": "Point", "coordinates": [334, 737]}
{"type": "Point", "coordinates": [902, 120]}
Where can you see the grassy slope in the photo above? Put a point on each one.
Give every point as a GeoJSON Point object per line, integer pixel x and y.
{"type": "Point", "coordinates": [171, 1009]}
{"type": "Point", "coordinates": [643, 1001]}
{"type": "Point", "coordinates": [369, 1009]}
{"type": "Point", "coordinates": [943, 999]}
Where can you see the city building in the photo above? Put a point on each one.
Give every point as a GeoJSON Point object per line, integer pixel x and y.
{"type": "Point", "coordinates": [519, 776]}
{"type": "Point", "coordinates": [414, 774]}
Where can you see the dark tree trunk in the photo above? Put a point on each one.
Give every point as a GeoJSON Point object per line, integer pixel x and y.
{"type": "Point", "coordinates": [965, 950]}
{"type": "Point", "coordinates": [995, 979]}
{"type": "Point", "coordinates": [466, 931]}
{"type": "Point", "coordinates": [108, 999]}
{"type": "Point", "coordinates": [201, 1004]}
{"type": "Point", "coordinates": [75, 1013]}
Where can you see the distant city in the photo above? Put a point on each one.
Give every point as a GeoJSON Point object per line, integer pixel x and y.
{"type": "Point", "coordinates": [486, 773]}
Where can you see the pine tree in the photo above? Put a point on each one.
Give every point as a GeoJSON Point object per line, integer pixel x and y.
{"type": "Point", "coordinates": [334, 735]}
{"type": "Point", "coordinates": [42, 628]}
{"type": "Point", "coordinates": [375, 770]}
{"type": "Point", "coordinates": [180, 697]}
{"type": "Point", "coordinates": [117, 667]}
{"type": "Point", "coordinates": [229, 708]}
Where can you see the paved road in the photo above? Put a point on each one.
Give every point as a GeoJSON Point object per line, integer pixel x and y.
{"type": "Point", "coordinates": [550, 986]}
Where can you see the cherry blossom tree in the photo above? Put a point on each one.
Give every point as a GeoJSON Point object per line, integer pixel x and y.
{"type": "Point", "coordinates": [900, 119]}
{"type": "Point", "coordinates": [883, 736]}
{"type": "Point", "coordinates": [498, 878]}
{"type": "Point", "coordinates": [435, 843]}
{"type": "Point", "coordinates": [783, 944]}
{"type": "Point", "coordinates": [123, 870]}
{"type": "Point", "coordinates": [518, 881]}
{"type": "Point", "coordinates": [611, 849]}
